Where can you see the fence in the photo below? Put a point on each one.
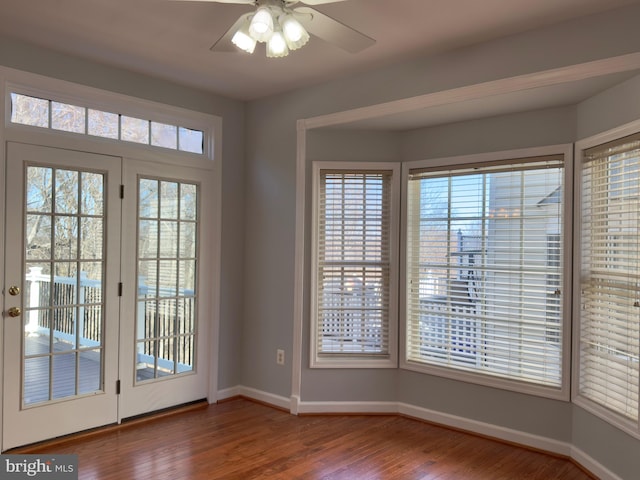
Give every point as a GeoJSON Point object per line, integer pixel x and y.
{"type": "Point", "coordinates": [68, 305]}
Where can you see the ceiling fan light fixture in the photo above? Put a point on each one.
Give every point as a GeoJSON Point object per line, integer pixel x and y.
{"type": "Point", "coordinates": [294, 33]}
{"type": "Point", "coordinates": [243, 40]}
{"type": "Point", "coordinates": [277, 45]}
{"type": "Point", "coordinates": [261, 26]}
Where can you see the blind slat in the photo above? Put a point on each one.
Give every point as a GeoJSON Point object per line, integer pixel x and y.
{"type": "Point", "coordinates": [609, 319]}
{"type": "Point", "coordinates": [353, 271]}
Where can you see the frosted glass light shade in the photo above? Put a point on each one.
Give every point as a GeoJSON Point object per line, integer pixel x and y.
{"type": "Point", "coordinates": [277, 46]}
{"type": "Point", "coordinates": [243, 40]}
{"type": "Point", "coordinates": [294, 33]}
{"type": "Point", "coordinates": [261, 27]}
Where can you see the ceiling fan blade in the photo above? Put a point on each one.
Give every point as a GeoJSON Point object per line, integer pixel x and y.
{"type": "Point", "coordinates": [333, 31]}
{"type": "Point", "coordinates": [242, 2]}
{"type": "Point", "coordinates": [320, 2]}
{"type": "Point", "coordinates": [224, 44]}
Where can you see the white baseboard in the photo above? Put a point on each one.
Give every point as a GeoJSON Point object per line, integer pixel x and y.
{"type": "Point", "coordinates": [261, 396]}
{"type": "Point", "coordinates": [348, 407]}
{"type": "Point", "coordinates": [487, 429]}
{"type": "Point", "coordinates": [592, 466]}
{"type": "Point", "coordinates": [297, 406]}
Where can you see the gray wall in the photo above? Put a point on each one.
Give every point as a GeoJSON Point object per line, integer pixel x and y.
{"type": "Point", "coordinates": [28, 58]}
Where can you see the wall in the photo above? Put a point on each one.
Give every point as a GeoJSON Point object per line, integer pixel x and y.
{"type": "Point", "coordinates": [28, 58]}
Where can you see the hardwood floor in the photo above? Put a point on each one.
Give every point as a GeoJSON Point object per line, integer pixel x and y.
{"type": "Point", "coordinates": [242, 440]}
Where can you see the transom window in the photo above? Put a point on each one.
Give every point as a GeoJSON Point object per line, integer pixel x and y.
{"type": "Point", "coordinates": [484, 269]}
{"type": "Point", "coordinates": [45, 113]}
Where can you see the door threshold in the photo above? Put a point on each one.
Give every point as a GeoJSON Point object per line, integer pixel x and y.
{"type": "Point", "coordinates": [126, 423]}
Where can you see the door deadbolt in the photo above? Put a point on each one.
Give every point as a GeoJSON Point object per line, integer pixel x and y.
{"type": "Point", "coordinates": [14, 290]}
{"type": "Point", "coordinates": [14, 312]}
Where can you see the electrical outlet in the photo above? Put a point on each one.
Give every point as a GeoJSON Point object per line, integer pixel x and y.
{"type": "Point", "coordinates": [280, 356]}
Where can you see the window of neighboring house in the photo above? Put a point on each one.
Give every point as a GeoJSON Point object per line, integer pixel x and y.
{"type": "Point", "coordinates": [44, 113]}
{"type": "Point", "coordinates": [355, 261]}
{"type": "Point", "coordinates": [483, 273]}
{"type": "Point", "coordinates": [609, 315]}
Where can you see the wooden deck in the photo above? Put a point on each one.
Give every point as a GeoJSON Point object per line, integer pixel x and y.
{"type": "Point", "coordinates": [38, 371]}
{"type": "Point", "coordinates": [241, 440]}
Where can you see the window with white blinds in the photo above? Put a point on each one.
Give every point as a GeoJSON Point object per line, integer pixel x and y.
{"type": "Point", "coordinates": [354, 311]}
{"type": "Point", "coordinates": [609, 321]}
{"type": "Point", "coordinates": [484, 271]}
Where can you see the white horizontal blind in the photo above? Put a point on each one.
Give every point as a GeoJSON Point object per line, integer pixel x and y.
{"type": "Point", "coordinates": [610, 277]}
{"type": "Point", "coordinates": [484, 269]}
{"type": "Point", "coordinates": [353, 263]}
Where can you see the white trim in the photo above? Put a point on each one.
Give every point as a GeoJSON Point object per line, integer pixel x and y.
{"type": "Point", "coordinates": [592, 466]}
{"type": "Point", "coordinates": [216, 257]}
{"type": "Point", "coordinates": [299, 272]}
{"type": "Point", "coordinates": [349, 407]}
{"type": "Point", "coordinates": [556, 76]}
{"type": "Point", "coordinates": [486, 429]}
{"type": "Point", "coordinates": [3, 213]}
{"type": "Point", "coordinates": [227, 393]}
{"type": "Point", "coordinates": [255, 394]}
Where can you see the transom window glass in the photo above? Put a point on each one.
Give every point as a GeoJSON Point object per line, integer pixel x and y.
{"type": "Point", "coordinates": [43, 113]}
{"type": "Point", "coordinates": [609, 339]}
{"type": "Point", "coordinates": [484, 269]}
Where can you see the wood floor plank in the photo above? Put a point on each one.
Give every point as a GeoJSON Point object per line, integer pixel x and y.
{"type": "Point", "coordinates": [244, 440]}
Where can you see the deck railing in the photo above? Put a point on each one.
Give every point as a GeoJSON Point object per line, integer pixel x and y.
{"type": "Point", "coordinates": [60, 306]}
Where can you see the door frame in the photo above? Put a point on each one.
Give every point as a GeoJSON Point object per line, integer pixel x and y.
{"type": "Point", "coordinates": [60, 90]}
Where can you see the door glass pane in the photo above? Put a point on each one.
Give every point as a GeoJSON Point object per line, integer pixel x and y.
{"type": "Point", "coordinates": [167, 293]}
{"type": "Point", "coordinates": [64, 310]}
{"type": "Point", "coordinates": [92, 193]}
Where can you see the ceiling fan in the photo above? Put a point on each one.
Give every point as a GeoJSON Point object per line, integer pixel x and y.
{"type": "Point", "coordinates": [284, 26]}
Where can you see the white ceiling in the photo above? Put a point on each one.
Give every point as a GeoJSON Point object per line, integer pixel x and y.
{"type": "Point", "coordinates": [171, 40]}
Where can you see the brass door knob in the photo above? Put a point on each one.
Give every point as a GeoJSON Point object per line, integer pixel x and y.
{"type": "Point", "coordinates": [14, 312]}
{"type": "Point", "coordinates": [14, 290]}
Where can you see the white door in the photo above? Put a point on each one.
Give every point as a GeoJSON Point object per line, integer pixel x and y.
{"type": "Point", "coordinates": [61, 298]}
{"type": "Point", "coordinates": [107, 300]}
{"type": "Point", "coordinates": [166, 312]}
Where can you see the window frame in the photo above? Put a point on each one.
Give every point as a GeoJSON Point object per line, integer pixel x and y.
{"type": "Point", "coordinates": [625, 424]}
{"type": "Point", "coordinates": [358, 360]}
{"type": "Point", "coordinates": [563, 391]}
